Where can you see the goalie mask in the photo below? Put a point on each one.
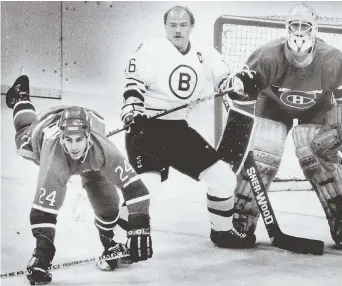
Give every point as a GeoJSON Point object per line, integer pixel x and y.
{"type": "Point", "coordinates": [301, 27]}
{"type": "Point", "coordinates": [74, 126]}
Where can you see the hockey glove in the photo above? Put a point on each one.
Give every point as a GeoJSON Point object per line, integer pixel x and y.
{"type": "Point", "coordinates": [246, 85]}
{"type": "Point", "coordinates": [133, 111]}
{"type": "Point", "coordinates": [139, 238]}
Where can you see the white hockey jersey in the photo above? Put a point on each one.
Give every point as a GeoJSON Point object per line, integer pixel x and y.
{"type": "Point", "coordinates": [166, 78]}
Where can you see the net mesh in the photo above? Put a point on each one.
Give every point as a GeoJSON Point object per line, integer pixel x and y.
{"type": "Point", "coordinates": [239, 40]}
{"type": "Point", "coordinates": [237, 37]}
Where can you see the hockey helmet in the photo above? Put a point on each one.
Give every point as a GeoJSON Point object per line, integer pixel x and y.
{"type": "Point", "coordinates": [301, 27]}
{"type": "Point", "coordinates": [74, 120]}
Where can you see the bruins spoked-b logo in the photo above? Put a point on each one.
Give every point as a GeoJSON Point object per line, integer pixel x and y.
{"type": "Point", "coordinates": [183, 81]}
{"type": "Point", "coordinates": [297, 99]}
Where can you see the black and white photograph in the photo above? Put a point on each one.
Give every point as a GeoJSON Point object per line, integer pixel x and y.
{"type": "Point", "coordinates": [163, 143]}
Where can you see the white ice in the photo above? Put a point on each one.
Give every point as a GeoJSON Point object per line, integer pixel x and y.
{"type": "Point", "coordinates": [183, 252]}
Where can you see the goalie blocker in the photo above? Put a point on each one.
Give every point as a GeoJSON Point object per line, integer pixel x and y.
{"type": "Point", "coordinates": [234, 142]}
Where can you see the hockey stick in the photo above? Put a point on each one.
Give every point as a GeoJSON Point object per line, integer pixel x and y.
{"type": "Point", "coordinates": [278, 238]}
{"type": "Point", "coordinates": [165, 112]}
{"type": "Point", "coordinates": [68, 264]}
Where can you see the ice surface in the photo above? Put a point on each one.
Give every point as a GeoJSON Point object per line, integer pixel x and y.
{"type": "Point", "coordinates": [183, 253]}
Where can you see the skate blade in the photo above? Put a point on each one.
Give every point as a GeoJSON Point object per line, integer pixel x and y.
{"type": "Point", "coordinates": [104, 266]}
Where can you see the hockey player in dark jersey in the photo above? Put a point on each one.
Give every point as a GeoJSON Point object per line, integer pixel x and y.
{"type": "Point", "coordinates": [301, 79]}
{"type": "Point", "coordinates": [66, 141]}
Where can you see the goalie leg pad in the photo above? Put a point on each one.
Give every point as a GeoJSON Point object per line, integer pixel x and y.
{"type": "Point", "coordinates": [328, 140]}
{"type": "Point", "coordinates": [268, 147]}
{"type": "Point", "coordinates": [221, 181]}
{"type": "Point", "coordinates": [324, 176]}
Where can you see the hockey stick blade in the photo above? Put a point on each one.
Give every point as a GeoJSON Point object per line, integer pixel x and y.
{"type": "Point", "coordinates": [278, 238]}
{"type": "Point", "coordinates": [80, 262]}
{"type": "Point", "coordinates": [165, 112]}
{"type": "Point", "coordinates": [298, 244]}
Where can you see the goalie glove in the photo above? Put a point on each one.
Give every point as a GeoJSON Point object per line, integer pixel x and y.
{"type": "Point", "coordinates": [133, 111]}
{"type": "Point", "coordinates": [246, 85]}
{"type": "Point", "coordinates": [139, 237]}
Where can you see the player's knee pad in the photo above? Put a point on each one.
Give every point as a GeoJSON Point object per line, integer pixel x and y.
{"type": "Point", "coordinates": [220, 178]}
{"type": "Point", "coordinates": [268, 147]}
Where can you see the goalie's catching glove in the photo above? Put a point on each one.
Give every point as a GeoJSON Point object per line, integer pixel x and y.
{"type": "Point", "coordinates": [139, 237]}
{"type": "Point", "coordinates": [246, 85]}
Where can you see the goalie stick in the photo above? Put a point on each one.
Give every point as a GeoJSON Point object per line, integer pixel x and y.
{"type": "Point", "coordinates": [165, 112]}
{"type": "Point", "coordinates": [278, 238]}
{"type": "Point", "coordinates": [80, 262]}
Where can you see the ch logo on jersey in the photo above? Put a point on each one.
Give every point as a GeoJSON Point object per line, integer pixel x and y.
{"type": "Point", "coordinates": [297, 99]}
{"type": "Point", "coordinates": [183, 81]}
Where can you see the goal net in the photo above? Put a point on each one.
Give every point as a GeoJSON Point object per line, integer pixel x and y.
{"type": "Point", "coordinates": [236, 37]}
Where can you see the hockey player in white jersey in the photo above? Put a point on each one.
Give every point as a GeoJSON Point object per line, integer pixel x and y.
{"type": "Point", "coordinates": [164, 73]}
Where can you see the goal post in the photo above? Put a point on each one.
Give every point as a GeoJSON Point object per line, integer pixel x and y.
{"type": "Point", "coordinates": [236, 38]}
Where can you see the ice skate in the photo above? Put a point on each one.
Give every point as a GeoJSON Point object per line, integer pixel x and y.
{"type": "Point", "coordinates": [20, 91]}
{"type": "Point", "coordinates": [232, 239]}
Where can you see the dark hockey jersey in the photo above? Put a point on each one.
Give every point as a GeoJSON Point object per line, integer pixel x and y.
{"type": "Point", "coordinates": [56, 166]}
{"type": "Point", "coordinates": [299, 90]}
